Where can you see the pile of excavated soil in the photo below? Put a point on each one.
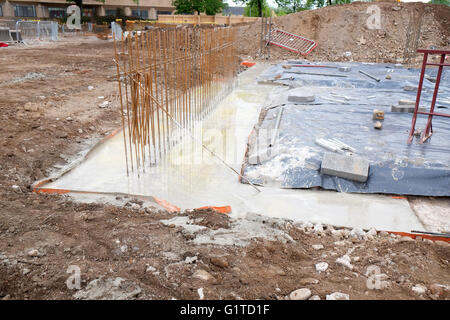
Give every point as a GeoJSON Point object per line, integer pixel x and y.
{"type": "Point", "coordinates": [343, 28]}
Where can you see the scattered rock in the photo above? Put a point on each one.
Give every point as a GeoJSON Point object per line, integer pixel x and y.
{"type": "Point", "coordinates": [150, 269]}
{"type": "Point", "coordinates": [61, 134]}
{"type": "Point", "coordinates": [306, 281]}
{"type": "Point", "coordinates": [321, 266]}
{"type": "Point", "coordinates": [437, 289]}
{"type": "Point", "coordinates": [345, 261]}
{"type": "Point", "coordinates": [219, 262]}
{"type": "Point", "coordinates": [388, 77]}
{"type": "Point", "coordinates": [34, 253]}
{"type": "Point", "coordinates": [202, 275]}
{"type": "Point", "coordinates": [338, 296]}
{"type": "Point", "coordinates": [317, 246]}
{"type": "Point", "coordinates": [405, 239]}
{"type": "Point", "coordinates": [300, 294]}
{"type": "Point", "coordinates": [378, 125]}
{"type": "Point", "coordinates": [315, 297]}
{"type": "Point", "coordinates": [109, 289]}
{"type": "Point", "coordinates": [419, 289]}
{"type": "Point", "coordinates": [190, 260]}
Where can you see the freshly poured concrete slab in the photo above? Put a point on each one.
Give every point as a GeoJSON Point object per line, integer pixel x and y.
{"type": "Point", "coordinates": [190, 177]}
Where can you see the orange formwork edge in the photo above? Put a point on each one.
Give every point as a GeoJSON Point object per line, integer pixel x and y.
{"type": "Point", "coordinates": [248, 63]}
{"type": "Point", "coordinates": [224, 209]}
{"type": "Point", "coordinates": [424, 236]}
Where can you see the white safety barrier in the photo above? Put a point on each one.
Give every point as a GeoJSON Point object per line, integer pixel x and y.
{"type": "Point", "coordinates": [35, 31]}
{"type": "Point", "coordinates": [116, 31]}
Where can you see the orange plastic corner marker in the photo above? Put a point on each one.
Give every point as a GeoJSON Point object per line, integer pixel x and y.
{"type": "Point", "coordinates": [224, 209]}
{"type": "Point", "coordinates": [167, 205]}
{"type": "Point", "coordinates": [248, 63]}
{"type": "Point", "coordinates": [424, 236]}
{"type": "Point", "coordinates": [51, 191]}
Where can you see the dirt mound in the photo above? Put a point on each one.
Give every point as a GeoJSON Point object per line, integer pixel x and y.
{"type": "Point", "coordinates": [403, 28]}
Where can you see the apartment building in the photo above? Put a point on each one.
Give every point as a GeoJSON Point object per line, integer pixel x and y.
{"type": "Point", "coordinates": [41, 9]}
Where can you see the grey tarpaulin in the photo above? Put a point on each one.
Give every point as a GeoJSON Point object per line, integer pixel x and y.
{"type": "Point", "coordinates": [343, 110]}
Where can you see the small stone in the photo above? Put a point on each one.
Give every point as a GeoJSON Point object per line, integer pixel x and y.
{"type": "Point", "coordinates": [378, 125]}
{"type": "Point", "coordinates": [405, 239]}
{"type": "Point", "coordinates": [124, 248]}
{"type": "Point", "coordinates": [300, 294]}
{"type": "Point", "coordinates": [90, 88]}
{"type": "Point", "coordinates": [190, 260]}
{"type": "Point", "coordinates": [437, 289]}
{"type": "Point", "coordinates": [357, 233]}
{"type": "Point", "coordinates": [345, 261]}
{"type": "Point", "coordinates": [388, 77]}
{"type": "Point", "coordinates": [372, 232]}
{"type": "Point", "coordinates": [306, 281]}
{"type": "Point", "coordinates": [33, 253]}
{"type": "Point", "coordinates": [384, 233]}
{"type": "Point", "coordinates": [419, 289]}
{"type": "Point", "coordinates": [317, 246]}
{"type": "Point", "coordinates": [61, 134]}
{"type": "Point", "coordinates": [25, 271]}
{"type": "Point", "coordinates": [338, 296]}
{"type": "Point", "coordinates": [314, 297]}
{"type": "Point", "coordinates": [80, 130]}
{"type": "Point", "coordinates": [220, 262]}
{"type": "Point", "coordinates": [150, 269]}
{"type": "Point", "coordinates": [321, 266]}
{"type": "Point", "coordinates": [202, 275]}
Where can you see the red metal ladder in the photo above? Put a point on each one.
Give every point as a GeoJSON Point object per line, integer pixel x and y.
{"type": "Point", "coordinates": [428, 131]}
{"type": "Point", "coordinates": [291, 42]}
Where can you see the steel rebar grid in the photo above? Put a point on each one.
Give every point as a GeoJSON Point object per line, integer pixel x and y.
{"type": "Point", "coordinates": [169, 79]}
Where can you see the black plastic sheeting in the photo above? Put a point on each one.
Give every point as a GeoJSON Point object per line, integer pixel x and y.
{"type": "Point", "coordinates": [395, 166]}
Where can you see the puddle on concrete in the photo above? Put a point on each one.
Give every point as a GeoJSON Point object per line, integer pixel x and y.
{"type": "Point", "coordinates": [190, 177]}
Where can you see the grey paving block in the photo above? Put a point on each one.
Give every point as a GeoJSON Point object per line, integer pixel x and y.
{"type": "Point", "coordinates": [345, 166]}
{"type": "Point", "coordinates": [344, 69]}
{"type": "Point", "coordinates": [300, 95]}
{"type": "Point", "coordinates": [407, 108]}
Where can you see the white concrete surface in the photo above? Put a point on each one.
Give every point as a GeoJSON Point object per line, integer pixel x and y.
{"type": "Point", "coordinates": [190, 177]}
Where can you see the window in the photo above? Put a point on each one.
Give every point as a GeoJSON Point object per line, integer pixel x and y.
{"type": "Point", "coordinates": [56, 12]}
{"type": "Point", "coordinates": [24, 11]}
{"type": "Point", "coordinates": [163, 12]}
{"type": "Point", "coordinates": [140, 13]}
{"type": "Point", "coordinates": [1, 11]}
{"type": "Point", "coordinates": [88, 12]}
{"type": "Point", "coordinates": [111, 12]}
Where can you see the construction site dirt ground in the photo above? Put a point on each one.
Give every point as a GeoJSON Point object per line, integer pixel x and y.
{"type": "Point", "coordinates": [51, 111]}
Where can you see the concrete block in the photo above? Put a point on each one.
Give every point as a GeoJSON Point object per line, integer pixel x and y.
{"type": "Point", "coordinates": [407, 108]}
{"type": "Point", "coordinates": [344, 166]}
{"type": "Point", "coordinates": [378, 114]}
{"type": "Point", "coordinates": [405, 101]}
{"type": "Point", "coordinates": [409, 87]}
{"type": "Point", "coordinates": [344, 69]}
{"type": "Point", "coordinates": [300, 96]}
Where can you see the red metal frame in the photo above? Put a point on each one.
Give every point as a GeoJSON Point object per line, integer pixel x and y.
{"type": "Point", "coordinates": [428, 131]}
{"type": "Point", "coordinates": [304, 49]}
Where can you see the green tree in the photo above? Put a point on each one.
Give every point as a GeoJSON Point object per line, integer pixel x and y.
{"type": "Point", "coordinates": [446, 2]}
{"type": "Point", "coordinates": [210, 7]}
{"type": "Point", "coordinates": [291, 6]}
{"type": "Point", "coordinates": [258, 4]}
{"type": "Point", "coordinates": [251, 9]}
{"type": "Point", "coordinates": [213, 7]}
